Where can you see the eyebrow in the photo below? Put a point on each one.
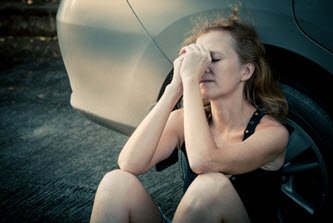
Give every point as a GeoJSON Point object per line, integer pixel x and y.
{"type": "Point", "coordinates": [215, 52]}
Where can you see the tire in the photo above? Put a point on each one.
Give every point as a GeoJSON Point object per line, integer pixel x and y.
{"type": "Point", "coordinates": [307, 173]}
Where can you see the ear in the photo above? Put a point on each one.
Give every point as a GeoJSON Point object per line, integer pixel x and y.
{"type": "Point", "coordinates": [248, 70]}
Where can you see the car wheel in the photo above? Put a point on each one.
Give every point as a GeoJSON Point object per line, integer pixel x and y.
{"type": "Point", "coordinates": [307, 172]}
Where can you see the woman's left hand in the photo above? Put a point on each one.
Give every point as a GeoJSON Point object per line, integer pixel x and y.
{"type": "Point", "coordinates": [195, 62]}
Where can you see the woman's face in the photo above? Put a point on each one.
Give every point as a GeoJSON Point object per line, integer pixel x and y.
{"type": "Point", "coordinates": [225, 74]}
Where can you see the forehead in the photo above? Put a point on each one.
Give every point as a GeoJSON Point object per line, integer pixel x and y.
{"type": "Point", "coordinates": [216, 40]}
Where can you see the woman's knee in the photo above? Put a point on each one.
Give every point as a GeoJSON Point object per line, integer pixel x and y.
{"type": "Point", "coordinates": [120, 187]}
{"type": "Point", "coordinates": [208, 189]}
{"type": "Point", "coordinates": [205, 192]}
{"type": "Point", "coordinates": [121, 195]}
{"type": "Point", "coordinates": [210, 184]}
{"type": "Point", "coordinates": [118, 179]}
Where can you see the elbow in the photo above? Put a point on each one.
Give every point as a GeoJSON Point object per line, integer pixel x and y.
{"type": "Point", "coordinates": [198, 169]}
{"type": "Point", "coordinates": [203, 161]}
{"type": "Point", "coordinates": [122, 162]}
{"type": "Point", "coordinates": [200, 166]}
{"type": "Point", "coordinates": [127, 166]}
{"type": "Point", "coordinates": [123, 165]}
{"type": "Point", "coordinates": [206, 164]}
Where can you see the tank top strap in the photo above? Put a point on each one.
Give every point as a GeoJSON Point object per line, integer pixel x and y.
{"type": "Point", "coordinates": [254, 121]}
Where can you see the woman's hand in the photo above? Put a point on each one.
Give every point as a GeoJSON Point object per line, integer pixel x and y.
{"type": "Point", "coordinates": [195, 62]}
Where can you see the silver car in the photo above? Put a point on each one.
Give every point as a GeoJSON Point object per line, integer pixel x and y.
{"type": "Point", "coordinates": [118, 55]}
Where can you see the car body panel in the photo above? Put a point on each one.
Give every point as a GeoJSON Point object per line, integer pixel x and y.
{"type": "Point", "coordinates": [318, 28]}
{"type": "Point", "coordinates": [273, 20]}
{"type": "Point", "coordinates": [119, 53]}
{"type": "Point", "coordinates": [114, 69]}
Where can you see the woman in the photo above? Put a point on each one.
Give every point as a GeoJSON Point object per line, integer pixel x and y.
{"type": "Point", "coordinates": [231, 126]}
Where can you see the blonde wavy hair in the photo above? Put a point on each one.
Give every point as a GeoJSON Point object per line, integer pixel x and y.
{"type": "Point", "coordinates": [261, 90]}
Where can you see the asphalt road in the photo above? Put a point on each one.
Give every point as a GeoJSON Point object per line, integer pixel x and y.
{"type": "Point", "coordinates": [51, 157]}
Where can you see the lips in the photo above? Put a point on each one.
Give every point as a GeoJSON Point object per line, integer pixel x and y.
{"type": "Point", "coordinates": [206, 81]}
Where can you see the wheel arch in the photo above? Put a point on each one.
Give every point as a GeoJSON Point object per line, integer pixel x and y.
{"type": "Point", "coordinates": [302, 74]}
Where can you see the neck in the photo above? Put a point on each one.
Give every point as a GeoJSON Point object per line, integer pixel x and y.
{"type": "Point", "coordinates": [231, 115]}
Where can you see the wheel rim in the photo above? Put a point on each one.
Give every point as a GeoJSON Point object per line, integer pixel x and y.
{"type": "Point", "coordinates": [305, 181]}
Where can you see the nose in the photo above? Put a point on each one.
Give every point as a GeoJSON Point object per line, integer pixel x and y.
{"type": "Point", "coordinates": [207, 70]}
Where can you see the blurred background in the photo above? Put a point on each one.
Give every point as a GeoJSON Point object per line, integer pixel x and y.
{"type": "Point", "coordinates": [27, 31]}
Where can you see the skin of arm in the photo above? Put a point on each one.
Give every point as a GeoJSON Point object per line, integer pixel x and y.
{"type": "Point", "coordinates": [196, 133]}
{"type": "Point", "coordinates": [196, 129]}
{"type": "Point", "coordinates": [268, 142]}
{"type": "Point", "coordinates": [158, 134]}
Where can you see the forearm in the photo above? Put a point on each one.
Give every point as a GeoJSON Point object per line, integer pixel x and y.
{"type": "Point", "coordinates": [140, 147]}
{"type": "Point", "coordinates": [199, 142]}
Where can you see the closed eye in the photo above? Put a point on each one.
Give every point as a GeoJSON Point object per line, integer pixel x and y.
{"type": "Point", "coordinates": [215, 60]}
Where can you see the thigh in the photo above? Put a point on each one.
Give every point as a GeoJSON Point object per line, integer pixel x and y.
{"type": "Point", "coordinates": [122, 197]}
{"type": "Point", "coordinates": [211, 198]}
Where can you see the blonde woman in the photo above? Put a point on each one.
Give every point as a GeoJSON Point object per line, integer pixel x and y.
{"type": "Point", "coordinates": [230, 125]}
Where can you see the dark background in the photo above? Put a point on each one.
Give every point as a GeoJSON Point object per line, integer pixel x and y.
{"type": "Point", "coordinates": [51, 157]}
{"type": "Point", "coordinates": [27, 31]}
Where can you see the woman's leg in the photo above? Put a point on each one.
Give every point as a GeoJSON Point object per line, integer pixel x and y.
{"type": "Point", "coordinates": [121, 197]}
{"type": "Point", "coordinates": [211, 198]}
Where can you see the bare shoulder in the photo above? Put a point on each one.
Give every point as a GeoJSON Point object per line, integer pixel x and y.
{"type": "Point", "coordinates": [276, 136]}
{"type": "Point", "coordinates": [177, 116]}
{"type": "Point", "coordinates": [269, 122]}
{"type": "Point", "coordinates": [274, 128]}
{"type": "Point", "coordinates": [178, 113]}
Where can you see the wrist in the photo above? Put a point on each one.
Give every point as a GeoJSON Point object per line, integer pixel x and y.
{"type": "Point", "coordinates": [174, 90]}
{"type": "Point", "coordinates": [189, 81]}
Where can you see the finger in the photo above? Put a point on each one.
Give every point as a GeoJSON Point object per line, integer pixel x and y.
{"type": "Point", "coordinates": [182, 56]}
{"type": "Point", "coordinates": [185, 50]}
{"type": "Point", "coordinates": [193, 47]}
{"type": "Point", "coordinates": [207, 54]}
{"type": "Point", "coordinates": [203, 49]}
{"type": "Point", "coordinates": [182, 51]}
{"type": "Point", "coordinates": [178, 61]}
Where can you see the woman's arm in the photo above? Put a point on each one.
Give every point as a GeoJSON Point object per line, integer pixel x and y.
{"type": "Point", "coordinates": [158, 134]}
{"type": "Point", "coordinates": [266, 145]}
{"type": "Point", "coordinates": [196, 129]}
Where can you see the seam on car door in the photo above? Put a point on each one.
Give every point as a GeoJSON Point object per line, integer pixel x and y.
{"type": "Point", "coordinates": [304, 32]}
{"type": "Point", "coordinates": [150, 37]}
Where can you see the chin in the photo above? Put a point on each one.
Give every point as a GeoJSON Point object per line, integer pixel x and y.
{"type": "Point", "coordinates": [205, 95]}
